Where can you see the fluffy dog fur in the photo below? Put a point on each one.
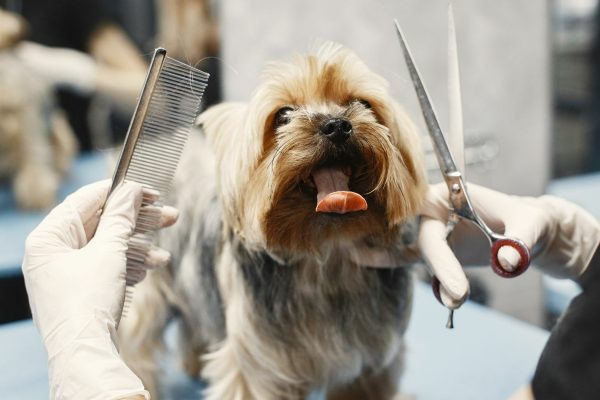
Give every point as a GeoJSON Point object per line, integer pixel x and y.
{"type": "Point", "coordinates": [274, 299]}
{"type": "Point", "coordinates": [37, 144]}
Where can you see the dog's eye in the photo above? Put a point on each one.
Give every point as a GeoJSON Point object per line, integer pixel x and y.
{"type": "Point", "coordinates": [365, 103]}
{"type": "Point", "coordinates": [282, 116]}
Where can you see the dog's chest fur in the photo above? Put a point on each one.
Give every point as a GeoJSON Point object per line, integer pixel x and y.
{"type": "Point", "coordinates": [328, 318]}
{"type": "Point", "coordinates": [334, 315]}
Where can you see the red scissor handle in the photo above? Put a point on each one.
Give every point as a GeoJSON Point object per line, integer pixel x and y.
{"type": "Point", "coordinates": [516, 244]}
{"type": "Point", "coordinates": [520, 247]}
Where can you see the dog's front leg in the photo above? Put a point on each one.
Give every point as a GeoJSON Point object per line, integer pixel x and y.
{"type": "Point", "coordinates": [224, 375]}
{"type": "Point", "coordinates": [228, 380]}
{"type": "Point", "coordinates": [244, 367]}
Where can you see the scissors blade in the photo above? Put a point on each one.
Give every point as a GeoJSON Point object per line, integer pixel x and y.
{"type": "Point", "coordinates": [440, 146]}
{"type": "Point", "coordinates": [456, 133]}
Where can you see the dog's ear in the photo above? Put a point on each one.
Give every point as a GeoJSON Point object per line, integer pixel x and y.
{"type": "Point", "coordinates": [231, 132]}
{"type": "Point", "coordinates": [222, 122]}
{"type": "Point", "coordinates": [408, 172]}
{"type": "Point", "coordinates": [236, 135]}
{"type": "Point", "coordinates": [223, 126]}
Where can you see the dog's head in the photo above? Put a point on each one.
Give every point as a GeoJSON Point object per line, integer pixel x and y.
{"type": "Point", "coordinates": [321, 156]}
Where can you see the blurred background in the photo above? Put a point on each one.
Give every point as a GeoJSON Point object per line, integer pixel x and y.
{"type": "Point", "coordinates": [530, 73]}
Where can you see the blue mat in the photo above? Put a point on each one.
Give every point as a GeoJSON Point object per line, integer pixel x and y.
{"type": "Point", "coordinates": [583, 190]}
{"type": "Point", "coordinates": [487, 356]}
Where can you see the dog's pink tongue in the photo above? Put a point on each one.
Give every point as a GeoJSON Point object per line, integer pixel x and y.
{"type": "Point", "coordinates": [333, 195]}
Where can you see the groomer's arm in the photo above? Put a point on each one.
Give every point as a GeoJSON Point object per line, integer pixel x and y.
{"type": "Point", "coordinates": [75, 281]}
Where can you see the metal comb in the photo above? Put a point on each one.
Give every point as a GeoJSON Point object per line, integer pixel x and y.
{"type": "Point", "coordinates": [163, 118]}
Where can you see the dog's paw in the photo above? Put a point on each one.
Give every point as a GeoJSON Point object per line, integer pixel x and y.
{"type": "Point", "coordinates": [35, 187]}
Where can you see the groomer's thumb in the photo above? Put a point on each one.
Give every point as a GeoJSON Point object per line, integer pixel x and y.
{"type": "Point", "coordinates": [119, 215]}
{"type": "Point", "coordinates": [528, 227]}
{"type": "Point", "coordinates": [443, 263]}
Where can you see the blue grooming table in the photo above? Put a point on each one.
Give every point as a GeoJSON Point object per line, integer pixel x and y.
{"type": "Point", "coordinates": [583, 190]}
{"type": "Point", "coordinates": [487, 356]}
{"type": "Point", "coordinates": [15, 224]}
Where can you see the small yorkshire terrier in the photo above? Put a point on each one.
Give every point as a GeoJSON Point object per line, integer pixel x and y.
{"type": "Point", "coordinates": [288, 203]}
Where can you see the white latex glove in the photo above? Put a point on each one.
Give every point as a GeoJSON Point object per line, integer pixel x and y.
{"type": "Point", "coordinates": [60, 67]}
{"type": "Point", "coordinates": [564, 235]}
{"type": "Point", "coordinates": [76, 289]}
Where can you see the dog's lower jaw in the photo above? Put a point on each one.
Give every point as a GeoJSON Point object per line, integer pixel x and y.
{"type": "Point", "coordinates": [295, 328]}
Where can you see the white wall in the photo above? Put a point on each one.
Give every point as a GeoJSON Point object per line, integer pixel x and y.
{"type": "Point", "coordinates": [504, 55]}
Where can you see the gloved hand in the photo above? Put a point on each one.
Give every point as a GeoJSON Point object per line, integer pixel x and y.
{"type": "Point", "coordinates": [565, 236]}
{"type": "Point", "coordinates": [60, 67]}
{"type": "Point", "coordinates": [76, 288]}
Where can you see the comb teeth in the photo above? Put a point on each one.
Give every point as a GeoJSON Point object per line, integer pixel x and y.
{"type": "Point", "coordinates": [174, 105]}
{"type": "Point", "coordinates": [152, 150]}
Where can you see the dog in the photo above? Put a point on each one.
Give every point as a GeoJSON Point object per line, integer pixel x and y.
{"type": "Point", "coordinates": [37, 144]}
{"type": "Point", "coordinates": [288, 204]}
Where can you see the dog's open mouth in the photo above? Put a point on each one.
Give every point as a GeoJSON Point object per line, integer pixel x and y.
{"type": "Point", "coordinates": [333, 194]}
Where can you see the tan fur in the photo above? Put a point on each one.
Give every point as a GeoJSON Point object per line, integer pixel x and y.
{"type": "Point", "coordinates": [273, 302]}
{"type": "Point", "coordinates": [144, 334]}
{"type": "Point", "coordinates": [187, 28]}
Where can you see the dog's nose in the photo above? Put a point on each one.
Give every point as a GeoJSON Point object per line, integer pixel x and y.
{"type": "Point", "coordinates": [338, 130]}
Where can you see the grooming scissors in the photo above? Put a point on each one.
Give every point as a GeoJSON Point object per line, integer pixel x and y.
{"type": "Point", "coordinates": [461, 206]}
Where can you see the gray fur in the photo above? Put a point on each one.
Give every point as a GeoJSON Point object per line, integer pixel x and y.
{"type": "Point", "coordinates": [350, 303]}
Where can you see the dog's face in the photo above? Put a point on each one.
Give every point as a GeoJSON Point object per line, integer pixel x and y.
{"type": "Point", "coordinates": [322, 156]}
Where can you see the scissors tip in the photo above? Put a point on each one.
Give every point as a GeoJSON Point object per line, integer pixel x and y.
{"type": "Point", "coordinates": [399, 31]}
